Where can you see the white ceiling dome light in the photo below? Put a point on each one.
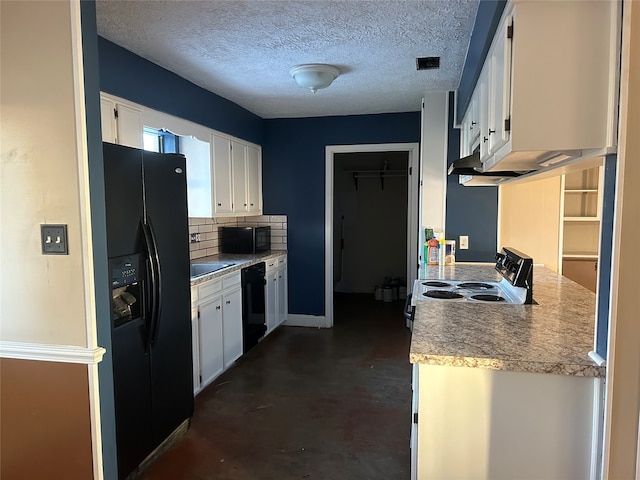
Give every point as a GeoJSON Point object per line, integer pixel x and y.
{"type": "Point", "coordinates": [314, 76]}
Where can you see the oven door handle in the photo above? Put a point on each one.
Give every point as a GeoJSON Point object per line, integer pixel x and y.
{"type": "Point", "coordinates": [155, 279]}
{"type": "Point", "coordinates": [409, 310]}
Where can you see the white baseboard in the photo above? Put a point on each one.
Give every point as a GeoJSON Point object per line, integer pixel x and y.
{"type": "Point", "coordinates": [51, 353]}
{"type": "Point", "coordinates": [315, 321]}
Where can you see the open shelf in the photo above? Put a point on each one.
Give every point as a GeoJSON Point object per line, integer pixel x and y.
{"type": "Point", "coordinates": [581, 210]}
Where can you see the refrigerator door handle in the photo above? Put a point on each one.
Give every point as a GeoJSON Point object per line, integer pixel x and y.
{"type": "Point", "coordinates": [154, 280]}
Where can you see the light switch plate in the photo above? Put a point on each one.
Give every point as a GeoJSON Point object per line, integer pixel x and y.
{"type": "Point", "coordinates": [464, 242]}
{"type": "Point", "coordinates": [54, 239]}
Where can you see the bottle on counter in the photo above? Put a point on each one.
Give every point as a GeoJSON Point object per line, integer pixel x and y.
{"type": "Point", "coordinates": [441, 251]}
{"type": "Point", "coordinates": [432, 251]}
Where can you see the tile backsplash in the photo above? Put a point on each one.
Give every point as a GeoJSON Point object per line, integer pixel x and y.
{"type": "Point", "coordinates": [205, 232]}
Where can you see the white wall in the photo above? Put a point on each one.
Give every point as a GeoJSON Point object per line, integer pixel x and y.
{"type": "Point", "coordinates": [529, 219]}
{"type": "Point", "coordinates": [42, 298]}
{"type": "Point", "coordinates": [433, 155]}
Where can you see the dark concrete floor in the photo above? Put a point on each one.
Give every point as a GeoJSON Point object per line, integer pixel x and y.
{"type": "Point", "coordinates": [330, 404]}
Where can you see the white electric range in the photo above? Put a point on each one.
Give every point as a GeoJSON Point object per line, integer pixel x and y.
{"type": "Point", "coordinates": [515, 286]}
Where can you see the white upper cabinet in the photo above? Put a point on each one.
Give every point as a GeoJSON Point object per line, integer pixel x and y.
{"type": "Point", "coordinates": [482, 89]}
{"type": "Point", "coordinates": [224, 173]}
{"type": "Point", "coordinates": [222, 186]}
{"type": "Point", "coordinates": [498, 128]}
{"type": "Point", "coordinates": [239, 174]}
{"type": "Point", "coordinates": [547, 93]}
{"type": "Point", "coordinates": [198, 155]}
{"type": "Point", "coordinates": [121, 123]}
{"type": "Point", "coordinates": [237, 179]}
{"type": "Point", "coordinates": [254, 179]}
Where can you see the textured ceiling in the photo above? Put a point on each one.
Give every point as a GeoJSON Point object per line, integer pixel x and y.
{"type": "Point", "coordinates": [243, 50]}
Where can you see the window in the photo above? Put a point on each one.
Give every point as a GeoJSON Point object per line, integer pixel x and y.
{"type": "Point", "coordinates": [161, 141]}
{"type": "Point", "coordinates": [152, 140]}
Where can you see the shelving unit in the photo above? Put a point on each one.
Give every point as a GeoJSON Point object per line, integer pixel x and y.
{"type": "Point", "coordinates": [581, 205]}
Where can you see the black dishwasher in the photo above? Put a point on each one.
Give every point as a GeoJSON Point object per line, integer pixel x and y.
{"type": "Point", "coordinates": [253, 305]}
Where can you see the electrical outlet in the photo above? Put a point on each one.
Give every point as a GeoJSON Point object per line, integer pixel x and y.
{"type": "Point", "coordinates": [54, 239]}
{"type": "Point", "coordinates": [464, 242]}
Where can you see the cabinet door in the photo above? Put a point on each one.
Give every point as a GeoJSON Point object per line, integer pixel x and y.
{"type": "Point", "coordinates": [232, 326]}
{"type": "Point", "coordinates": [210, 340]}
{"type": "Point", "coordinates": [500, 89]}
{"type": "Point", "coordinates": [108, 120]}
{"type": "Point", "coordinates": [198, 155]}
{"type": "Point", "coordinates": [129, 126]}
{"type": "Point", "coordinates": [239, 174]}
{"type": "Point", "coordinates": [195, 335]}
{"type": "Point", "coordinates": [254, 180]}
{"type": "Point", "coordinates": [271, 299]}
{"type": "Point", "coordinates": [470, 126]}
{"type": "Point", "coordinates": [582, 271]}
{"type": "Point", "coordinates": [281, 314]}
{"type": "Point", "coordinates": [221, 174]}
{"type": "Point", "coordinates": [483, 113]}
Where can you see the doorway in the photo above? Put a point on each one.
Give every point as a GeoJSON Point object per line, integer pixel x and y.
{"type": "Point", "coordinates": [363, 183]}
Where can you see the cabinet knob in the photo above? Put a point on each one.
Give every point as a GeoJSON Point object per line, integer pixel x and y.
{"type": "Point", "coordinates": [228, 302]}
{"type": "Point", "coordinates": [252, 204]}
{"type": "Point", "coordinates": [219, 204]}
{"type": "Point", "coordinates": [472, 124]}
{"type": "Point", "coordinates": [218, 307]}
{"type": "Point", "coordinates": [484, 139]}
{"type": "Point", "coordinates": [245, 204]}
{"type": "Point", "coordinates": [491, 131]}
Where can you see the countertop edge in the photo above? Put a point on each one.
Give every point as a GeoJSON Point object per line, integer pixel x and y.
{"type": "Point", "coordinates": [523, 366]}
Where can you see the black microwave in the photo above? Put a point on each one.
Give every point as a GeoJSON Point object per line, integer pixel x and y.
{"type": "Point", "coordinates": [245, 239]}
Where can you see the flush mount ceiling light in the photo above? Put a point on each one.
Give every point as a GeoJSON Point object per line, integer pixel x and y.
{"type": "Point", "coordinates": [314, 76]}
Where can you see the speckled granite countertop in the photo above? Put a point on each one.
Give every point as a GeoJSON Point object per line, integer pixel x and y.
{"type": "Point", "coordinates": [239, 260]}
{"type": "Point", "coordinates": [553, 336]}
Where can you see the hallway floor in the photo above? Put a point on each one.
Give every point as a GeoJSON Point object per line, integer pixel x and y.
{"type": "Point", "coordinates": [325, 404]}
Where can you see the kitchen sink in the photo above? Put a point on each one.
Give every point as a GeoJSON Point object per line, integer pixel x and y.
{"type": "Point", "coordinates": [199, 269]}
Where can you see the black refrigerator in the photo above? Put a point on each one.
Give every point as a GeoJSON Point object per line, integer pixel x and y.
{"type": "Point", "coordinates": [148, 249]}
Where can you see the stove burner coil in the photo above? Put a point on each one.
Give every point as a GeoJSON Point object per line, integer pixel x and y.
{"type": "Point", "coordinates": [488, 298]}
{"type": "Point", "coordinates": [476, 286]}
{"type": "Point", "coordinates": [432, 283]}
{"type": "Point", "coordinates": [443, 294]}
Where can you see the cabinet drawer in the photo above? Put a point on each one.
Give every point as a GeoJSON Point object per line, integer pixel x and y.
{"type": "Point", "coordinates": [271, 264]}
{"type": "Point", "coordinates": [230, 280]}
{"type": "Point", "coordinates": [209, 288]}
{"type": "Point", "coordinates": [282, 261]}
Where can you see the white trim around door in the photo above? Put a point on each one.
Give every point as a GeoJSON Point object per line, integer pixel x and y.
{"type": "Point", "coordinates": [413, 150]}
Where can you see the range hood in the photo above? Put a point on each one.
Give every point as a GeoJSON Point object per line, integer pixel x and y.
{"type": "Point", "coordinates": [471, 173]}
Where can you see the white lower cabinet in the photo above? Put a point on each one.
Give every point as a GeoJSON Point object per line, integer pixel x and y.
{"type": "Point", "coordinates": [217, 337]}
{"type": "Point", "coordinates": [474, 423]}
{"type": "Point", "coordinates": [281, 292]}
{"type": "Point", "coordinates": [276, 292]}
{"type": "Point", "coordinates": [232, 326]}
{"type": "Point", "coordinates": [210, 339]}
{"type": "Point", "coordinates": [271, 298]}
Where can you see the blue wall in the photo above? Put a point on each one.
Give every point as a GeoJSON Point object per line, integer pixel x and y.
{"type": "Point", "coordinates": [99, 236]}
{"type": "Point", "coordinates": [471, 211]}
{"type": "Point", "coordinates": [293, 173]}
{"type": "Point", "coordinates": [606, 251]}
{"type": "Point", "coordinates": [129, 76]}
